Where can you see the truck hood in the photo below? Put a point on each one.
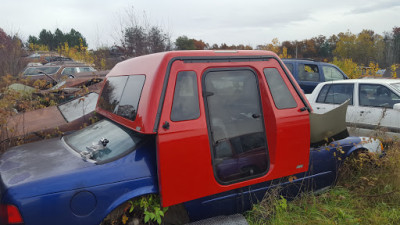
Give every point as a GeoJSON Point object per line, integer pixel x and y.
{"type": "Point", "coordinates": [38, 161]}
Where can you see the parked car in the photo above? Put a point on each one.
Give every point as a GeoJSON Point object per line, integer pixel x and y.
{"type": "Point", "coordinates": [209, 132]}
{"type": "Point", "coordinates": [374, 104]}
{"type": "Point", "coordinates": [53, 73]}
{"type": "Point", "coordinates": [309, 73]}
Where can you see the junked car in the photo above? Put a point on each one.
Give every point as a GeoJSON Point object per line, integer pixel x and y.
{"type": "Point", "coordinates": [36, 125]}
{"type": "Point", "coordinates": [53, 73]}
{"type": "Point", "coordinates": [208, 132]}
{"type": "Point", "coordinates": [374, 107]}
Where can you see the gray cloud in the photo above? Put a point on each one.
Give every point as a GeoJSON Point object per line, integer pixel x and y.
{"type": "Point", "coordinates": [376, 7]}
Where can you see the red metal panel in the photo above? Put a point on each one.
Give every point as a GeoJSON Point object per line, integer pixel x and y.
{"type": "Point", "coordinates": [184, 159]}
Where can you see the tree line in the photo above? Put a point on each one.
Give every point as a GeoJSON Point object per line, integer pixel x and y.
{"type": "Point", "coordinates": [57, 39]}
{"type": "Point", "coordinates": [142, 38]}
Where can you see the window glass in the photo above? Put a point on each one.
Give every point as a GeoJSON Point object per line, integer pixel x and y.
{"type": "Point", "coordinates": [79, 107]}
{"type": "Point", "coordinates": [37, 70]}
{"type": "Point", "coordinates": [337, 94]}
{"type": "Point", "coordinates": [69, 71]}
{"type": "Point", "coordinates": [377, 96]}
{"type": "Point", "coordinates": [87, 141]}
{"type": "Point", "coordinates": [121, 95]}
{"type": "Point", "coordinates": [308, 72]}
{"type": "Point", "coordinates": [86, 69]}
{"type": "Point", "coordinates": [185, 105]}
{"type": "Point", "coordinates": [280, 92]}
{"type": "Point", "coordinates": [322, 93]}
{"type": "Point", "coordinates": [396, 86]}
{"type": "Point", "coordinates": [239, 146]}
{"type": "Point", "coordinates": [331, 73]}
{"type": "Point", "coordinates": [290, 67]}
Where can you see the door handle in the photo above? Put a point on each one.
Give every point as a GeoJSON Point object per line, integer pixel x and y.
{"type": "Point", "coordinates": [303, 109]}
{"type": "Point", "coordinates": [165, 125]}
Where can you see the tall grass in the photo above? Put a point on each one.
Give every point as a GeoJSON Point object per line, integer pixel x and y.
{"type": "Point", "coordinates": [367, 192]}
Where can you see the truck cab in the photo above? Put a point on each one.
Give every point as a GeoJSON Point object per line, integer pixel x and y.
{"type": "Point", "coordinates": [210, 131]}
{"type": "Point", "coordinates": [223, 120]}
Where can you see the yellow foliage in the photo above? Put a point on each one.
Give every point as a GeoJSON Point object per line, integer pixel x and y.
{"type": "Point", "coordinates": [394, 67]}
{"type": "Point", "coordinates": [284, 54]}
{"type": "Point", "coordinates": [38, 47]}
{"type": "Point", "coordinates": [78, 53]}
{"type": "Point", "coordinates": [350, 68]}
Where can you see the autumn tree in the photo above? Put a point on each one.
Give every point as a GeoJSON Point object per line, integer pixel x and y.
{"type": "Point", "coordinates": [392, 47]}
{"type": "Point", "coordinates": [10, 54]}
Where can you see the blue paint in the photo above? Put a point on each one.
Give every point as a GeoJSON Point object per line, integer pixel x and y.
{"type": "Point", "coordinates": [51, 185]}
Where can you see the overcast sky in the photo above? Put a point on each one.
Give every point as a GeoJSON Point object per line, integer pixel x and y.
{"type": "Point", "coordinates": [250, 22]}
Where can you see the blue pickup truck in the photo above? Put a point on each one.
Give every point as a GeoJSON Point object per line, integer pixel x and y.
{"type": "Point", "coordinates": [309, 73]}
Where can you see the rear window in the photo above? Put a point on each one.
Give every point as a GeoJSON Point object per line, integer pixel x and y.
{"type": "Point", "coordinates": [121, 95]}
{"type": "Point", "coordinates": [118, 141]}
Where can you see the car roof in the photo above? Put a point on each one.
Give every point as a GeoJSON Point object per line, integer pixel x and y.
{"type": "Point", "coordinates": [368, 80]}
{"type": "Point", "coordinates": [306, 61]}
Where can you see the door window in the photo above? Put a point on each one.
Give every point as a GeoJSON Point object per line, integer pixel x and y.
{"type": "Point", "coordinates": [283, 99]}
{"type": "Point", "coordinates": [336, 94]}
{"type": "Point", "coordinates": [376, 95]}
{"type": "Point", "coordinates": [308, 72]}
{"type": "Point", "coordinates": [331, 73]}
{"type": "Point", "coordinates": [238, 141]}
{"type": "Point", "coordinates": [69, 71]}
{"type": "Point", "coordinates": [185, 105]}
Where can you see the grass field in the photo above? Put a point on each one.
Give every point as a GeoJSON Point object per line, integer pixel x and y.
{"type": "Point", "coordinates": [367, 192]}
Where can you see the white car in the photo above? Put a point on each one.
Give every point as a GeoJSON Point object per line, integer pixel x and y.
{"type": "Point", "coordinates": [374, 107]}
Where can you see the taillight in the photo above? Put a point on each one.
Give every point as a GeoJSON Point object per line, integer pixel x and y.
{"type": "Point", "coordinates": [10, 214]}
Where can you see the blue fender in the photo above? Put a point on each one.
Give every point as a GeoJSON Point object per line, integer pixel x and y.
{"type": "Point", "coordinates": [356, 148]}
{"type": "Point", "coordinates": [130, 195]}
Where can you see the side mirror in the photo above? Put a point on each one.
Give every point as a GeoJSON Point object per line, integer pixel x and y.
{"type": "Point", "coordinates": [396, 106]}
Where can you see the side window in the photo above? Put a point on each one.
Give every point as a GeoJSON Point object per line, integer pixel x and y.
{"type": "Point", "coordinates": [85, 69]}
{"type": "Point", "coordinates": [185, 105]}
{"type": "Point", "coordinates": [322, 94]}
{"type": "Point", "coordinates": [377, 96]}
{"type": "Point", "coordinates": [68, 71]}
{"type": "Point", "coordinates": [121, 95]}
{"type": "Point", "coordinates": [331, 73]}
{"type": "Point", "coordinates": [336, 94]}
{"type": "Point", "coordinates": [290, 67]}
{"type": "Point", "coordinates": [237, 134]}
{"type": "Point", "coordinates": [308, 72]}
{"type": "Point", "coordinates": [280, 92]}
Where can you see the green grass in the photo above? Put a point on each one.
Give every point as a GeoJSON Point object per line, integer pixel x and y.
{"type": "Point", "coordinates": [368, 192]}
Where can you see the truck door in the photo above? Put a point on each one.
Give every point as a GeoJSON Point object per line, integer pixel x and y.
{"type": "Point", "coordinates": [235, 123]}
{"type": "Point", "coordinates": [222, 127]}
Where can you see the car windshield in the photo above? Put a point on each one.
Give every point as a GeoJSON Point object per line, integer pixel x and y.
{"type": "Point", "coordinates": [37, 70]}
{"type": "Point", "coordinates": [103, 141]}
{"type": "Point", "coordinates": [397, 86]}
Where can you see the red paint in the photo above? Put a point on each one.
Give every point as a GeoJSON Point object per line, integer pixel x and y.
{"type": "Point", "coordinates": [184, 158]}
